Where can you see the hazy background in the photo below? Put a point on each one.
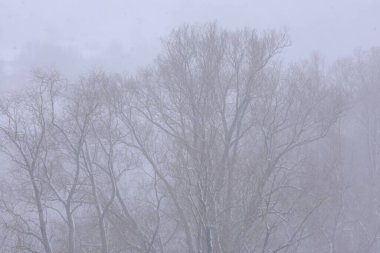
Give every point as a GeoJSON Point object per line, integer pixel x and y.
{"type": "Point", "coordinates": [74, 36]}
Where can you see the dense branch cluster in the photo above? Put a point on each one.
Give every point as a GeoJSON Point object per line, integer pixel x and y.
{"type": "Point", "coordinates": [216, 147]}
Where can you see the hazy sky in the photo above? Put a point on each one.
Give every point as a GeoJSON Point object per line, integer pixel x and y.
{"type": "Point", "coordinates": [76, 35]}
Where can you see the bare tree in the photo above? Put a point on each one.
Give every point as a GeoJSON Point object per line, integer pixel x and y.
{"type": "Point", "coordinates": [218, 96]}
{"type": "Point", "coordinates": [26, 122]}
{"type": "Point", "coordinates": [219, 146]}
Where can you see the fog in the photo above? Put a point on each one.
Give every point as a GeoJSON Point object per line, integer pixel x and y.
{"type": "Point", "coordinates": [76, 36]}
{"type": "Point", "coordinates": [190, 126]}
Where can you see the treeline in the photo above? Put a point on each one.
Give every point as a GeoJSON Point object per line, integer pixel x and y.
{"type": "Point", "coordinates": [218, 146]}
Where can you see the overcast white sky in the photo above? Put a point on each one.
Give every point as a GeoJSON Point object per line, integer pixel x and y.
{"type": "Point", "coordinates": [76, 35]}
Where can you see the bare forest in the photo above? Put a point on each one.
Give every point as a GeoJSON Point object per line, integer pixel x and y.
{"type": "Point", "coordinates": [219, 145]}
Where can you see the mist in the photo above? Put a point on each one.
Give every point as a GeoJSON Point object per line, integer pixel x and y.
{"type": "Point", "coordinates": [189, 126]}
